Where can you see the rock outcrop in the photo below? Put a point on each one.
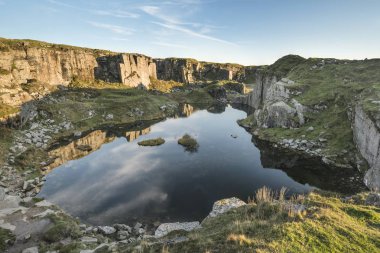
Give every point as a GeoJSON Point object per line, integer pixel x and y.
{"type": "Point", "coordinates": [273, 103]}
{"type": "Point", "coordinates": [31, 69]}
{"type": "Point", "coordinates": [367, 138]}
{"type": "Point", "coordinates": [192, 71]}
{"type": "Point", "coordinates": [130, 69]}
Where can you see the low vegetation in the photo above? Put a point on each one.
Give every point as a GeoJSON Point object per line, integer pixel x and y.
{"type": "Point", "coordinates": [163, 86]}
{"type": "Point", "coordinates": [152, 142]}
{"type": "Point", "coordinates": [5, 238]}
{"type": "Point", "coordinates": [271, 224]}
{"type": "Point", "coordinates": [189, 143]}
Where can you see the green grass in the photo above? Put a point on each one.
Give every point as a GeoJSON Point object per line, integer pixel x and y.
{"type": "Point", "coordinates": [189, 143]}
{"type": "Point", "coordinates": [20, 44]}
{"type": "Point", "coordinates": [163, 86]}
{"type": "Point", "coordinates": [328, 225]}
{"type": "Point", "coordinates": [4, 72]}
{"type": "Point", "coordinates": [6, 138]}
{"type": "Point", "coordinates": [63, 227]}
{"type": "Point", "coordinates": [6, 110]}
{"type": "Point", "coordinates": [152, 142]}
{"type": "Point", "coordinates": [5, 236]}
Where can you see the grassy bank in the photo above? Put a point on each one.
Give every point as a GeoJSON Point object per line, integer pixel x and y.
{"type": "Point", "coordinates": [267, 225]}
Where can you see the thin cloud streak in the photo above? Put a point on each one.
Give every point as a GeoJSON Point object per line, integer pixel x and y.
{"type": "Point", "coordinates": [165, 44]}
{"type": "Point", "coordinates": [192, 33]}
{"type": "Point", "coordinates": [117, 14]}
{"type": "Point", "coordinates": [113, 28]}
{"type": "Point", "coordinates": [179, 26]}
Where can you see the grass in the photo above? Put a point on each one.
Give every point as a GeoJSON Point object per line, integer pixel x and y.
{"type": "Point", "coordinates": [6, 138]}
{"type": "Point", "coordinates": [5, 236]}
{"type": "Point", "coordinates": [163, 86]}
{"type": "Point", "coordinates": [20, 44]}
{"type": "Point", "coordinates": [4, 72]}
{"type": "Point", "coordinates": [63, 227]}
{"type": "Point", "coordinates": [152, 142]}
{"type": "Point", "coordinates": [189, 143]}
{"type": "Point", "coordinates": [267, 225]}
{"type": "Point", "coordinates": [6, 110]}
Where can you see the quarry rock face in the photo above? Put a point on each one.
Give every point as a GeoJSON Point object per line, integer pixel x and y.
{"type": "Point", "coordinates": [29, 71]}
{"type": "Point", "coordinates": [130, 69]}
{"type": "Point", "coordinates": [192, 71]}
{"type": "Point", "coordinates": [367, 138]}
{"type": "Point", "coordinates": [273, 104]}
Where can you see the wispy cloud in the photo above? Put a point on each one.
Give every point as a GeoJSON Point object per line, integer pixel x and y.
{"type": "Point", "coordinates": [62, 4]}
{"type": "Point", "coordinates": [113, 13]}
{"type": "Point", "coordinates": [175, 24]}
{"type": "Point", "coordinates": [165, 44]}
{"type": "Point", "coordinates": [117, 13]}
{"type": "Point", "coordinates": [192, 33]}
{"type": "Point", "coordinates": [113, 28]}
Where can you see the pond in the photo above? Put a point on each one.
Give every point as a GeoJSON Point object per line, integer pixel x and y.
{"type": "Point", "coordinates": [114, 180]}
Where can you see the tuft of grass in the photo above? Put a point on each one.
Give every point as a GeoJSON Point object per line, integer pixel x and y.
{"type": "Point", "coordinates": [4, 71]}
{"type": "Point", "coordinates": [6, 110]}
{"type": "Point", "coordinates": [5, 237]}
{"type": "Point", "coordinates": [63, 227]}
{"type": "Point", "coordinates": [330, 225]}
{"type": "Point", "coordinates": [163, 86]}
{"type": "Point", "coordinates": [189, 143]}
{"type": "Point", "coordinates": [152, 142]}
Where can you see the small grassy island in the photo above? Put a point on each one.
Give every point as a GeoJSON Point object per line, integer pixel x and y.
{"type": "Point", "coordinates": [152, 142]}
{"type": "Point", "coordinates": [189, 143]}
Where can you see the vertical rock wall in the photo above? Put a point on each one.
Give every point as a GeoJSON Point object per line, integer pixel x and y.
{"type": "Point", "coordinates": [367, 138]}
{"type": "Point", "coordinates": [192, 71]}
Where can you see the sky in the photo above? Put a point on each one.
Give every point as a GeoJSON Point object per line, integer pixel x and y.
{"type": "Point", "coordinates": [249, 32]}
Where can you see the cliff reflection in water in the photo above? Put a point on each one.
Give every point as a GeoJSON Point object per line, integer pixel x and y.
{"type": "Point", "coordinates": [86, 145]}
{"type": "Point", "coordinates": [309, 170]}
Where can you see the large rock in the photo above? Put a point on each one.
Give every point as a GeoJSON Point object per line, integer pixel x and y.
{"type": "Point", "coordinates": [224, 205]}
{"type": "Point", "coordinates": [48, 65]}
{"type": "Point", "coordinates": [31, 250]}
{"type": "Point", "coordinates": [367, 139]}
{"type": "Point", "coordinates": [166, 228]}
{"type": "Point", "coordinates": [130, 69]}
{"type": "Point", "coordinates": [192, 71]}
{"type": "Point", "coordinates": [106, 230]}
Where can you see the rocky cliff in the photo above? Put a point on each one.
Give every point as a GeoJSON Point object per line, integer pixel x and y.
{"type": "Point", "coordinates": [273, 102]}
{"type": "Point", "coordinates": [192, 71]}
{"type": "Point", "coordinates": [29, 69]}
{"type": "Point", "coordinates": [130, 69]}
{"type": "Point", "coordinates": [367, 138]}
{"type": "Point", "coordinates": [311, 99]}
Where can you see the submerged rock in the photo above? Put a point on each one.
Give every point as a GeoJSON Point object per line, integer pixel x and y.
{"type": "Point", "coordinates": [166, 228]}
{"type": "Point", "coordinates": [224, 205]}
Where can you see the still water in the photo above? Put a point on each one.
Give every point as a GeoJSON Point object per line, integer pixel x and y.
{"type": "Point", "coordinates": [121, 182]}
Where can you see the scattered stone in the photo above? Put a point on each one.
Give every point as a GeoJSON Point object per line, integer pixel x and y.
{"type": "Point", "coordinates": [310, 129]}
{"type": "Point", "coordinates": [87, 239]}
{"type": "Point", "coordinates": [122, 235]}
{"type": "Point", "coordinates": [123, 227]}
{"type": "Point", "coordinates": [166, 228]}
{"type": "Point", "coordinates": [44, 214]}
{"type": "Point", "coordinates": [31, 250]}
{"type": "Point", "coordinates": [109, 116]}
{"type": "Point", "coordinates": [373, 199]}
{"type": "Point", "coordinates": [106, 230]}
{"type": "Point", "coordinates": [224, 205]}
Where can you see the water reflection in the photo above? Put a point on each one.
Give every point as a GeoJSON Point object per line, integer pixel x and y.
{"type": "Point", "coordinates": [122, 182]}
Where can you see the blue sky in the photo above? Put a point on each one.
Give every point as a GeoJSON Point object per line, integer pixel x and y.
{"type": "Point", "coordinates": [249, 32]}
